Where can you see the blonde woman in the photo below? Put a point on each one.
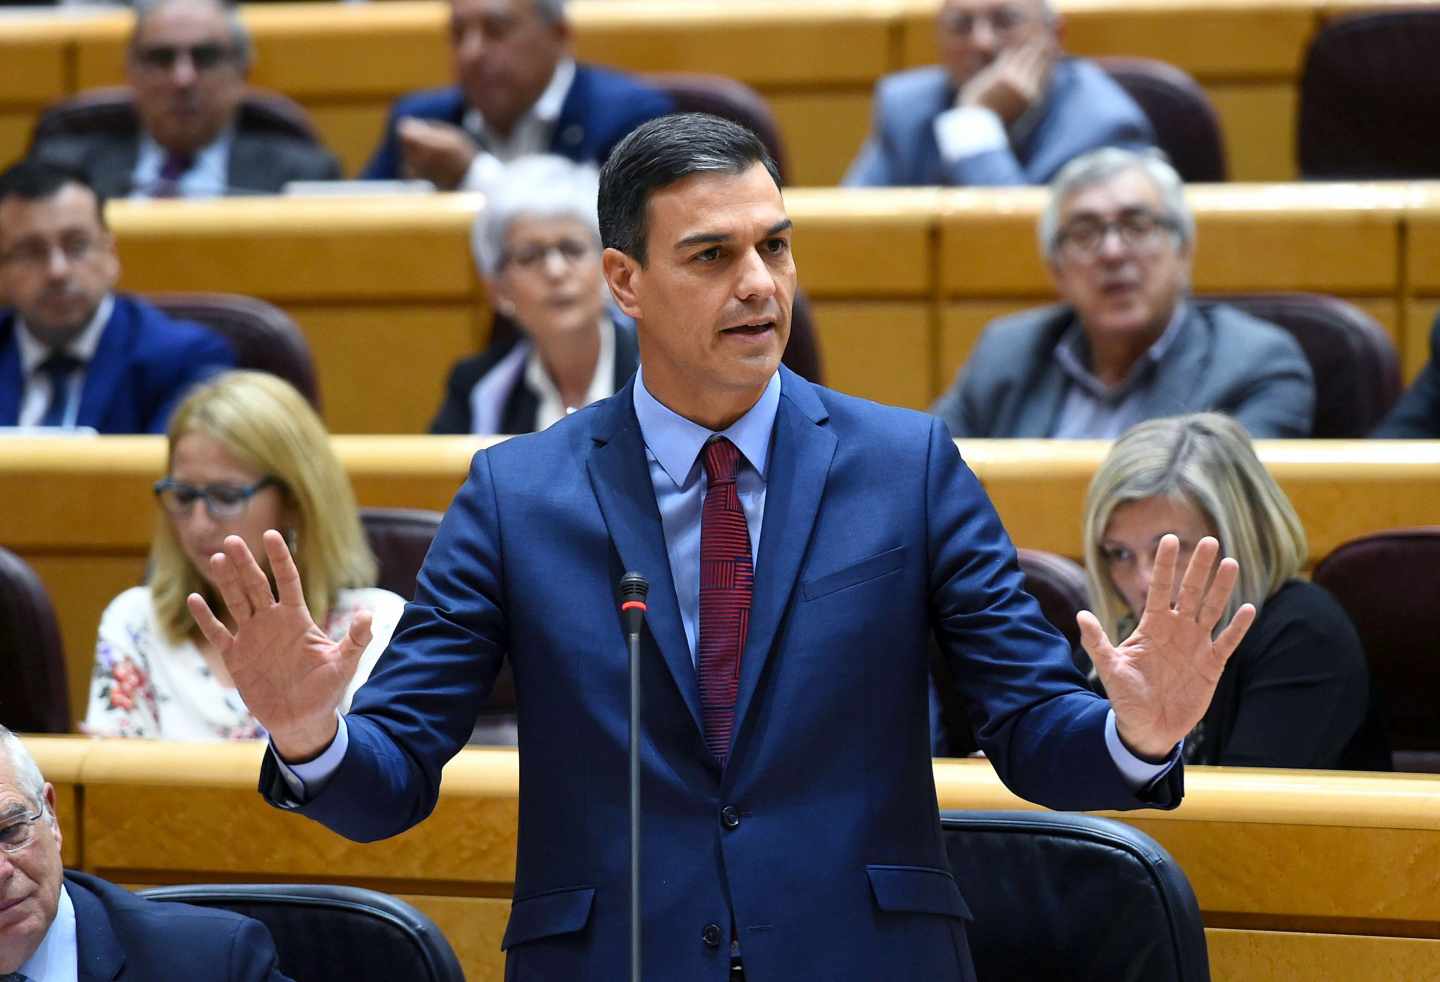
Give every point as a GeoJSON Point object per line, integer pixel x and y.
{"type": "Point", "coordinates": [246, 454]}
{"type": "Point", "coordinates": [1296, 691]}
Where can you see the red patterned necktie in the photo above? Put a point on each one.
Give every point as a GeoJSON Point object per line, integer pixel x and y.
{"type": "Point", "coordinates": [727, 580]}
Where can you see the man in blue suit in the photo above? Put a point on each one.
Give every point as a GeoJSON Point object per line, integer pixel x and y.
{"type": "Point", "coordinates": [1004, 107]}
{"type": "Point", "coordinates": [520, 92]}
{"type": "Point", "coordinates": [73, 352]}
{"type": "Point", "coordinates": [801, 547]}
{"type": "Point", "coordinates": [61, 926]}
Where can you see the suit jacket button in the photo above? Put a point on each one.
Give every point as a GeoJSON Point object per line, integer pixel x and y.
{"type": "Point", "coordinates": [729, 817]}
{"type": "Point", "coordinates": [711, 935]}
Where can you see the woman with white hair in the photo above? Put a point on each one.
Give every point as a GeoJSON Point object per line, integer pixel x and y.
{"type": "Point", "coordinates": [1296, 692]}
{"type": "Point", "coordinates": [538, 246]}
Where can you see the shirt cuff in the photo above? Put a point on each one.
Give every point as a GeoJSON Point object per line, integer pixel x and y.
{"type": "Point", "coordinates": [969, 130]}
{"type": "Point", "coordinates": [1136, 772]}
{"type": "Point", "coordinates": [308, 779]}
{"type": "Point", "coordinates": [484, 171]}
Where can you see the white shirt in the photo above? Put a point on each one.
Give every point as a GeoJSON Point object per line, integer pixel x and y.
{"type": "Point", "coordinates": [530, 135]}
{"type": "Point", "coordinates": [208, 176]}
{"type": "Point", "coordinates": [552, 406]}
{"type": "Point", "coordinates": [58, 957]}
{"type": "Point", "coordinates": [37, 385]}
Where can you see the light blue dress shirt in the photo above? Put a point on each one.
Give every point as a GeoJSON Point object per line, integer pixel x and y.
{"type": "Point", "coordinates": [208, 176]}
{"type": "Point", "coordinates": [58, 957]}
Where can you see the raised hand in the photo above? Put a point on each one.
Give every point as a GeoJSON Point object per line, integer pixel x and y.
{"type": "Point", "coordinates": [290, 675]}
{"type": "Point", "coordinates": [1014, 81]}
{"type": "Point", "coordinates": [1161, 679]}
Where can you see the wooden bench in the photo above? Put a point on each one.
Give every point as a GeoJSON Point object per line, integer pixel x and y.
{"type": "Point", "coordinates": [1298, 874]}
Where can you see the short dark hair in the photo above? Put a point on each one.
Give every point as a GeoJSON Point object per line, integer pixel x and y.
{"type": "Point", "coordinates": [38, 180]}
{"type": "Point", "coordinates": [660, 152]}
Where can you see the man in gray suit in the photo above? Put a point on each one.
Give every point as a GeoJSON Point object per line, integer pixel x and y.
{"type": "Point", "coordinates": [187, 63]}
{"type": "Point", "coordinates": [1004, 107]}
{"type": "Point", "coordinates": [1126, 344]}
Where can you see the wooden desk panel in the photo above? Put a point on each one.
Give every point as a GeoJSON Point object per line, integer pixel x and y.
{"type": "Point", "coordinates": [60, 760]}
{"type": "Point", "coordinates": [878, 351]}
{"type": "Point", "coordinates": [853, 244]}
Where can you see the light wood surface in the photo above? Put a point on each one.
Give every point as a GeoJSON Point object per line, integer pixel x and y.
{"type": "Point", "coordinates": [1299, 874]}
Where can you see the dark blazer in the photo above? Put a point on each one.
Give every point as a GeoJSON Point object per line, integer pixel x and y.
{"type": "Point", "coordinates": [260, 163]}
{"type": "Point", "coordinates": [1084, 109]}
{"type": "Point", "coordinates": [144, 365]}
{"type": "Point", "coordinates": [821, 836]}
{"type": "Point", "coordinates": [120, 936]}
{"type": "Point", "coordinates": [1223, 361]}
{"type": "Point", "coordinates": [1417, 415]}
{"type": "Point", "coordinates": [518, 415]}
{"type": "Point", "coordinates": [601, 107]}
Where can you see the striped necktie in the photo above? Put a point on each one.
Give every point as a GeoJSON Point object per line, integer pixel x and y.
{"type": "Point", "coordinates": [727, 580]}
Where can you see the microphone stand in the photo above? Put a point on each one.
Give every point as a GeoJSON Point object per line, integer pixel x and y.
{"type": "Point", "coordinates": [633, 590]}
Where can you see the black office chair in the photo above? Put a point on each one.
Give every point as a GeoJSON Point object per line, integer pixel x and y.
{"type": "Point", "coordinates": [339, 933]}
{"type": "Point", "coordinates": [1186, 125]}
{"type": "Point", "coordinates": [34, 696]}
{"type": "Point", "coordinates": [1064, 896]}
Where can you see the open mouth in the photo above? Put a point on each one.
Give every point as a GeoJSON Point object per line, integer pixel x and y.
{"type": "Point", "coordinates": [756, 329]}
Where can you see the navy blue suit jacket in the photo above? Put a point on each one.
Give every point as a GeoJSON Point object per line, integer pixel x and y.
{"type": "Point", "coordinates": [120, 936]}
{"type": "Point", "coordinates": [875, 533]}
{"type": "Point", "coordinates": [1417, 415]}
{"type": "Point", "coordinates": [601, 107]}
{"type": "Point", "coordinates": [1084, 109]}
{"type": "Point", "coordinates": [144, 365]}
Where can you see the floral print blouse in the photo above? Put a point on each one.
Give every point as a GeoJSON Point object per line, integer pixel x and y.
{"type": "Point", "coordinates": [143, 686]}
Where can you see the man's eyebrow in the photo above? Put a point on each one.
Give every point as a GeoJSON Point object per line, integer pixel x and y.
{"type": "Point", "coordinates": [715, 238]}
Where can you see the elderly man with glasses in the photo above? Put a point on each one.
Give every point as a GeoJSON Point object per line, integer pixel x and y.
{"type": "Point", "coordinates": [73, 352]}
{"type": "Point", "coordinates": [62, 926]}
{"type": "Point", "coordinates": [1004, 107]}
{"type": "Point", "coordinates": [1126, 344]}
{"type": "Point", "coordinates": [187, 64]}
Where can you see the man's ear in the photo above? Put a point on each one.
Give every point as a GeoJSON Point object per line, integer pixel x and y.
{"type": "Point", "coordinates": [49, 795]}
{"type": "Point", "coordinates": [622, 275]}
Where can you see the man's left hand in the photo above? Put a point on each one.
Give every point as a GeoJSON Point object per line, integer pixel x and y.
{"type": "Point", "coordinates": [435, 151]}
{"type": "Point", "coordinates": [1161, 679]}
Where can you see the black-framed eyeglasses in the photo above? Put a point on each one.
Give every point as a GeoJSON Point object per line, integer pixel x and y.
{"type": "Point", "coordinates": [221, 500]}
{"type": "Point", "coordinates": [533, 255]}
{"type": "Point", "coordinates": [205, 57]}
{"type": "Point", "coordinates": [1138, 228]}
{"type": "Point", "coordinates": [1003, 20]}
{"type": "Point", "coordinates": [16, 835]}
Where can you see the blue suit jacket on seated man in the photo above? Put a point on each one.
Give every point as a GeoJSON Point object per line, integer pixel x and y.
{"type": "Point", "coordinates": [143, 366]}
{"type": "Point", "coordinates": [600, 108]}
{"type": "Point", "coordinates": [1083, 109]}
{"type": "Point", "coordinates": [806, 840]}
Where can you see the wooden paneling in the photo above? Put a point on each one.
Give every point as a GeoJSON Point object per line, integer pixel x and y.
{"type": "Point", "coordinates": [1257, 120]}
{"type": "Point", "coordinates": [822, 132]}
{"type": "Point", "coordinates": [60, 760]}
{"type": "Point", "coordinates": [33, 59]}
{"type": "Point", "coordinates": [474, 927]}
{"type": "Point", "coordinates": [961, 323]}
{"type": "Point", "coordinates": [851, 244]}
{"type": "Point", "coordinates": [879, 351]}
{"type": "Point", "coordinates": [1280, 956]}
{"type": "Point", "coordinates": [1419, 316]}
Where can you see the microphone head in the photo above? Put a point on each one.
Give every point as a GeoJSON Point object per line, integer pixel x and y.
{"type": "Point", "coordinates": [633, 586]}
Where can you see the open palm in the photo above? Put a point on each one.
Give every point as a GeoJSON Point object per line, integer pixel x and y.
{"type": "Point", "coordinates": [290, 675]}
{"type": "Point", "coordinates": [1161, 678]}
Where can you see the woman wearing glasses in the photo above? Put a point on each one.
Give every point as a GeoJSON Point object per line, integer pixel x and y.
{"type": "Point", "coordinates": [246, 454]}
{"type": "Point", "coordinates": [538, 246]}
{"type": "Point", "coordinates": [1296, 692]}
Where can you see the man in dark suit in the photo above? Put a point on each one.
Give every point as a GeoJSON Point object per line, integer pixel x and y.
{"type": "Point", "coordinates": [1417, 415]}
{"type": "Point", "coordinates": [520, 92]}
{"type": "Point", "coordinates": [72, 351]}
{"type": "Point", "coordinates": [187, 63]}
{"type": "Point", "coordinates": [1005, 107]}
{"type": "Point", "coordinates": [1126, 344]}
{"type": "Point", "coordinates": [801, 546]}
{"type": "Point", "coordinates": [60, 925]}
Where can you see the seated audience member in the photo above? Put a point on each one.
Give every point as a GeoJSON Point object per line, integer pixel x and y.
{"type": "Point", "coordinates": [520, 92]}
{"type": "Point", "coordinates": [246, 454]}
{"type": "Point", "coordinates": [1125, 344]}
{"type": "Point", "coordinates": [72, 351]}
{"type": "Point", "coordinates": [187, 63]}
{"type": "Point", "coordinates": [538, 247]}
{"type": "Point", "coordinates": [1296, 691]}
{"type": "Point", "coordinates": [1417, 415]}
{"type": "Point", "coordinates": [57, 924]}
{"type": "Point", "coordinates": [1005, 107]}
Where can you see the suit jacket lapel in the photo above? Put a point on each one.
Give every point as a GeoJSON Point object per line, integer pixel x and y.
{"type": "Point", "coordinates": [569, 138]}
{"type": "Point", "coordinates": [1181, 370]}
{"type": "Point", "coordinates": [98, 952]}
{"type": "Point", "coordinates": [12, 380]}
{"type": "Point", "coordinates": [104, 372]}
{"type": "Point", "coordinates": [800, 456]}
{"type": "Point", "coordinates": [620, 477]}
{"type": "Point", "coordinates": [1037, 405]}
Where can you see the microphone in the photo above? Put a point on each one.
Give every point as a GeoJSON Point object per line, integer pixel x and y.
{"type": "Point", "coordinates": [633, 590]}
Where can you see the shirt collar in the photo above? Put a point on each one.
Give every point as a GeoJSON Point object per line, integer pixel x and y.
{"type": "Point", "coordinates": [82, 346]}
{"type": "Point", "coordinates": [57, 956]}
{"type": "Point", "coordinates": [212, 159]}
{"type": "Point", "coordinates": [601, 381]}
{"type": "Point", "coordinates": [675, 441]}
{"type": "Point", "coordinates": [1073, 354]}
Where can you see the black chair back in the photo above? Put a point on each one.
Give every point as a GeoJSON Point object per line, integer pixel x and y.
{"type": "Point", "coordinates": [34, 697]}
{"type": "Point", "coordinates": [329, 933]}
{"type": "Point", "coordinates": [1074, 897]}
{"type": "Point", "coordinates": [1186, 125]}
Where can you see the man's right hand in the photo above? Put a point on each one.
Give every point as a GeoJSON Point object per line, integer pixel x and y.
{"type": "Point", "coordinates": [289, 674]}
{"type": "Point", "coordinates": [1014, 81]}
